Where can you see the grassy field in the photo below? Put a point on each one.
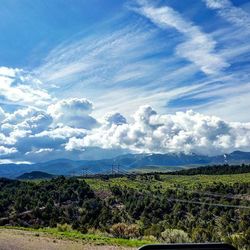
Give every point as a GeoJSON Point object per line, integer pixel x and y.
{"type": "Point", "coordinates": [90, 239]}
{"type": "Point", "coordinates": [23, 239]}
{"type": "Point", "coordinates": [168, 181]}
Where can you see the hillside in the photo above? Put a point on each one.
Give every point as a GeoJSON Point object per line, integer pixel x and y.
{"type": "Point", "coordinates": [35, 175]}
{"type": "Point", "coordinates": [200, 208]}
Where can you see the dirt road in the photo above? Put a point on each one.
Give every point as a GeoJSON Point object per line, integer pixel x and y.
{"type": "Point", "coordinates": [23, 240]}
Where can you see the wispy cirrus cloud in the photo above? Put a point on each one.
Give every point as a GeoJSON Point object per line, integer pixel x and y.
{"type": "Point", "coordinates": [231, 13]}
{"type": "Point", "coordinates": [124, 64]}
{"type": "Point", "coordinates": [137, 64]}
{"type": "Point", "coordinates": [97, 58]}
{"type": "Point", "coordinates": [198, 46]}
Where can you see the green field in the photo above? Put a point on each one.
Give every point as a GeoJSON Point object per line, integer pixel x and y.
{"type": "Point", "coordinates": [168, 181]}
{"type": "Point", "coordinates": [92, 239]}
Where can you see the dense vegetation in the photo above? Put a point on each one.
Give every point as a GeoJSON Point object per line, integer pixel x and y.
{"type": "Point", "coordinates": [216, 169]}
{"type": "Point", "coordinates": [151, 207]}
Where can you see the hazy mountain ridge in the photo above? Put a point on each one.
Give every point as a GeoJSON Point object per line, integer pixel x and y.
{"type": "Point", "coordinates": [127, 162]}
{"type": "Point", "coordinates": [35, 175]}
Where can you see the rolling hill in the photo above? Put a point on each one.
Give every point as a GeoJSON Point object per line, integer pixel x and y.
{"type": "Point", "coordinates": [128, 162]}
{"type": "Point", "coordinates": [35, 175]}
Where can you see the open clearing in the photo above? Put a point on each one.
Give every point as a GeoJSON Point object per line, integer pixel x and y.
{"type": "Point", "coordinates": [12, 239]}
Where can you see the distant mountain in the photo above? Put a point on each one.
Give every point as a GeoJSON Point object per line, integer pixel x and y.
{"type": "Point", "coordinates": [128, 162]}
{"type": "Point", "coordinates": [35, 175]}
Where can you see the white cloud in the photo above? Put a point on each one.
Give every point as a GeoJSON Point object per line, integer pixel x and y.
{"type": "Point", "coordinates": [49, 143]}
{"type": "Point", "coordinates": [187, 132]}
{"type": "Point", "coordinates": [121, 63]}
{"type": "Point", "coordinates": [85, 60]}
{"type": "Point", "coordinates": [198, 48]}
{"type": "Point", "coordinates": [19, 87]}
{"type": "Point", "coordinates": [115, 118]}
{"type": "Point", "coordinates": [30, 134]}
{"type": "Point", "coordinates": [61, 132]}
{"type": "Point", "coordinates": [2, 114]}
{"type": "Point", "coordinates": [9, 161]}
{"type": "Point", "coordinates": [41, 151]}
{"type": "Point", "coordinates": [230, 13]}
{"type": "Point", "coordinates": [73, 112]}
{"type": "Point", "coordinates": [28, 120]}
{"type": "Point", "coordinates": [7, 151]}
{"type": "Point", "coordinates": [218, 4]}
{"type": "Point", "coordinates": [10, 72]}
{"type": "Point", "coordinates": [19, 115]}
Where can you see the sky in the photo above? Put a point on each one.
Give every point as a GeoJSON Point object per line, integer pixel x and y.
{"type": "Point", "coordinates": [94, 79]}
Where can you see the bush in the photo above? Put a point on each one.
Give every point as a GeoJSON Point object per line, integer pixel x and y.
{"type": "Point", "coordinates": [149, 238]}
{"type": "Point", "coordinates": [64, 227]}
{"type": "Point", "coordinates": [201, 235]}
{"type": "Point", "coordinates": [240, 240]}
{"type": "Point", "coordinates": [133, 231]}
{"type": "Point", "coordinates": [154, 230]}
{"type": "Point", "coordinates": [123, 230]}
{"type": "Point", "coordinates": [175, 236]}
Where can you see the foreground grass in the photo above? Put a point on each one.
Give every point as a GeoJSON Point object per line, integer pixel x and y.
{"type": "Point", "coordinates": [94, 239]}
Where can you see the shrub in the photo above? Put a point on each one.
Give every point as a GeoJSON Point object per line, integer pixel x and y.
{"type": "Point", "coordinates": [149, 238]}
{"type": "Point", "coordinates": [82, 229]}
{"type": "Point", "coordinates": [174, 236]}
{"type": "Point", "coordinates": [123, 230]}
{"type": "Point", "coordinates": [154, 230]}
{"type": "Point", "coordinates": [133, 231]}
{"type": "Point", "coordinates": [200, 235]}
{"type": "Point", "coordinates": [240, 240]}
{"type": "Point", "coordinates": [64, 227]}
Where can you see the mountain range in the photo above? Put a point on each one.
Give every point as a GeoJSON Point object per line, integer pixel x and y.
{"type": "Point", "coordinates": [128, 162]}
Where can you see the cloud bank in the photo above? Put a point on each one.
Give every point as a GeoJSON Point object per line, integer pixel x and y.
{"type": "Point", "coordinates": [187, 132]}
{"type": "Point", "coordinates": [67, 129]}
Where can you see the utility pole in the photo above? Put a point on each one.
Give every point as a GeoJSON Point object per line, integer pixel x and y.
{"type": "Point", "coordinates": [225, 159]}
{"type": "Point", "coordinates": [85, 172]}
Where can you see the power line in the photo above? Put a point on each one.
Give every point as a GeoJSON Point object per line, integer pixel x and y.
{"type": "Point", "coordinates": [209, 194]}
{"type": "Point", "coordinates": [209, 204]}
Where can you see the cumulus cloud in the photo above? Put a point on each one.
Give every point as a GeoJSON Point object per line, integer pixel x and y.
{"type": "Point", "coordinates": [115, 118]}
{"type": "Point", "coordinates": [73, 112]}
{"type": "Point", "coordinates": [2, 114]}
{"type": "Point", "coordinates": [29, 132]}
{"type": "Point", "coordinates": [187, 132]}
{"type": "Point", "coordinates": [7, 151]}
{"type": "Point", "coordinates": [27, 119]}
{"type": "Point", "coordinates": [19, 115]}
{"type": "Point", "coordinates": [32, 135]}
{"type": "Point", "coordinates": [20, 87]}
{"type": "Point", "coordinates": [198, 48]}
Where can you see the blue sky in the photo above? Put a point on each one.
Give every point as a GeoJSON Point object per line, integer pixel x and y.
{"type": "Point", "coordinates": [173, 56]}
